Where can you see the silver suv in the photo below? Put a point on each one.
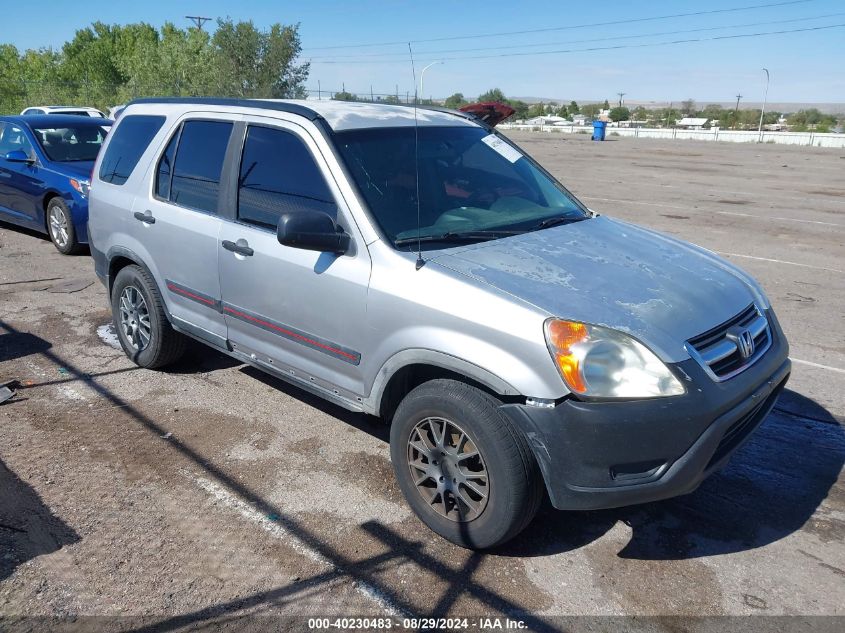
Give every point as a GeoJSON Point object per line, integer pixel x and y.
{"type": "Point", "coordinates": [420, 267]}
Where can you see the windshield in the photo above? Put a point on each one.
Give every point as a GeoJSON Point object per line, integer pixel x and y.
{"type": "Point", "coordinates": [472, 185]}
{"type": "Point", "coordinates": [72, 143]}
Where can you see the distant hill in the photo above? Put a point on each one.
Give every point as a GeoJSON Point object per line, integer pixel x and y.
{"type": "Point", "coordinates": [827, 108]}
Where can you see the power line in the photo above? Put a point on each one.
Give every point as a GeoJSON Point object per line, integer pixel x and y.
{"type": "Point", "coordinates": [600, 48]}
{"type": "Point", "coordinates": [569, 27]}
{"type": "Point", "coordinates": [587, 41]}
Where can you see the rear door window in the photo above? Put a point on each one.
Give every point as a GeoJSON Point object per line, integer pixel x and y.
{"type": "Point", "coordinates": [201, 150]}
{"type": "Point", "coordinates": [128, 143]}
{"type": "Point", "coordinates": [279, 174]}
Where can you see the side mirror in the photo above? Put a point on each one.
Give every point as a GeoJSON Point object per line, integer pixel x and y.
{"type": "Point", "coordinates": [312, 231]}
{"type": "Point", "coordinates": [19, 156]}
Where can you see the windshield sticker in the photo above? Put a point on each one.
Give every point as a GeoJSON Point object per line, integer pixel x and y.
{"type": "Point", "coordinates": [502, 148]}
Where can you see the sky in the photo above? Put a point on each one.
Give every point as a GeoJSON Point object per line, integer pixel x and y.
{"type": "Point", "coordinates": [805, 67]}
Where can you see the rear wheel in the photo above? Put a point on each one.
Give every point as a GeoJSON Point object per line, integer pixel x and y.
{"type": "Point", "coordinates": [141, 322]}
{"type": "Point", "coordinates": [60, 227]}
{"type": "Point", "coordinates": [464, 468]}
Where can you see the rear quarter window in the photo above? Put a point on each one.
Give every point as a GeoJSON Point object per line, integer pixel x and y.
{"type": "Point", "coordinates": [128, 143]}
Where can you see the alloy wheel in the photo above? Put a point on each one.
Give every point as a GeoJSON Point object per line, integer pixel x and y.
{"type": "Point", "coordinates": [448, 470]}
{"type": "Point", "coordinates": [59, 226]}
{"type": "Point", "coordinates": [135, 318]}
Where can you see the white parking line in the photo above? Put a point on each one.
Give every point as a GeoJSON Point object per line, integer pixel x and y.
{"type": "Point", "coordinates": [780, 261]}
{"type": "Point", "coordinates": [775, 217]}
{"type": "Point", "coordinates": [279, 531]}
{"type": "Point", "coordinates": [817, 365]}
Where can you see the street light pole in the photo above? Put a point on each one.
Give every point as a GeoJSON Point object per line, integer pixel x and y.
{"type": "Point", "coordinates": [763, 110]}
{"type": "Point", "coordinates": [422, 76]}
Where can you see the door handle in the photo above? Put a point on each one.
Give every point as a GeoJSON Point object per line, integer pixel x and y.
{"type": "Point", "coordinates": [243, 249]}
{"type": "Point", "coordinates": [146, 218]}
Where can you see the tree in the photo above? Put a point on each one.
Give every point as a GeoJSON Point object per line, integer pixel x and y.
{"type": "Point", "coordinates": [103, 65]}
{"type": "Point", "coordinates": [573, 108]}
{"type": "Point", "coordinates": [563, 111]}
{"type": "Point", "coordinates": [605, 105]}
{"type": "Point", "coordinates": [520, 108]}
{"type": "Point", "coordinates": [455, 101]}
{"type": "Point", "coordinates": [255, 63]}
{"type": "Point", "coordinates": [538, 109]}
{"type": "Point", "coordinates": [344, 96]}
{"type": "Point", "coordinates": [591, 110]}
{"type": "Point", "coordinates": [494, 95]}
{"type": "Point", "coordinates": [619, 113]}
{"type": "Point", "coordinates": [640, 114]}
{"type": "Point", "coordinates": [688, 107]}
{"type": "Point", "coordinates": [391, 99]}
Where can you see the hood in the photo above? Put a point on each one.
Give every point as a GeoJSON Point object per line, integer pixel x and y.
{"type": "Point", "coordinates": [77, 169]}
{"type": "Point", "coordinates": [600, 271]}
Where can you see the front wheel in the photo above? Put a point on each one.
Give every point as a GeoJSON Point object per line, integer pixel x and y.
{"type": "Point", "coordinates": [60, 227]}
{"type": "Point", "coordinates": [464, 468]}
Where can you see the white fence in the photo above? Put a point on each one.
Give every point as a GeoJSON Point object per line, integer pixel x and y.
{"type": "Point", "coordinates": [815, 139]}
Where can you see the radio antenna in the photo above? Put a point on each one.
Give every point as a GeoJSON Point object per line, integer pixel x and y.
{"type": "Point", "coordinates": [420, 261]}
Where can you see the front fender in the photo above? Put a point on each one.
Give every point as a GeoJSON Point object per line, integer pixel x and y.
{"type": "Point", "coordinates": [420, 356]}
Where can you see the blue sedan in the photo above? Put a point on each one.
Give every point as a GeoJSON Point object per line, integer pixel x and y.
{"type": "Point", "coordinates": [45, 172]}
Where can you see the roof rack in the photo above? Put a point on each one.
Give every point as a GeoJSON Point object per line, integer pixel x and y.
{"type": "Point", "coordinates": [279, 106]}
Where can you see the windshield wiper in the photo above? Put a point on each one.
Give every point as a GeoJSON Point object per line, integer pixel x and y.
{"type": "Point", "coordinates": [456, 236]}
{"type": "Point", "coordinates": [558, 219]}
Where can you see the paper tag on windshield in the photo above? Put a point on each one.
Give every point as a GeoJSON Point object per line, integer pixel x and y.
{"type": "Point", "coordinates": [502, 148]}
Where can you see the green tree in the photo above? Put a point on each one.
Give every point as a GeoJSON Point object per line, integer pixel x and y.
{"type": "Point", "coordinates": [520, 108]}
{"type": "Point", "coordinates": [344, 96]}
{"type": "Point", "coordinates": [455, 101]}
{"type": "Point", "coordinates": [591, 110]}
{"type": "Point", "coordinates": [688, 107]}
{"type": "Point", "coordinates": [253, 63]}
{"type": "Point", "coordinates": [538, 109]}
{"type": "Point", "coordinates": [563, 111]}
{"type": "Point", "coordinates": [573, 108]}
{"type": "Point", "coordinates": [391, 99]}
{"type": "Point", "coordinates": [605, 105]}
{"type": "Point", "coordinates": [620, 113]}
{"type": "Point", "coordinates": [494, 95]}
{"type": "Point", "coordinates": [640, 114]}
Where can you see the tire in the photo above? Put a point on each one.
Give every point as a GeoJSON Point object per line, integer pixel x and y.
{"type": "Point", "coordinates": [163, 345]}
{"type": "Point", "coordinates": [514, 487]}
{"type": "Point", "coordinates": [60, 227]}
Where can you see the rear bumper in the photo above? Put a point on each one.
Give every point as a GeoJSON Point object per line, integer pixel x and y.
{"type": "Point", "coordinates": [610, 454]}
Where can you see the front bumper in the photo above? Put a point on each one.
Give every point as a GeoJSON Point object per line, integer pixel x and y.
{"type": "Point", "coordinates": [609, 454]}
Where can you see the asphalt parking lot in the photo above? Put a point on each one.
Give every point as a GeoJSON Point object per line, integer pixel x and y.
{"type": "Point", "coordinates": [211, 491]}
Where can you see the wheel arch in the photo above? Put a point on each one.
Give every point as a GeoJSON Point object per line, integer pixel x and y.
{"type": "Point", "coordinates": [49, 195]}
{"type": "Point", "coordinates": [118, 258]}
{"type": "Point", "coordinates": [410, 368]}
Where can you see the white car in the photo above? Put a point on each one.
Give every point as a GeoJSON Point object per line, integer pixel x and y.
{"type": "Point", "coordinates": [79, 111]}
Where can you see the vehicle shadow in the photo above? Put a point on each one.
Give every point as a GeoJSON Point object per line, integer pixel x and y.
{"type": "Point", "coordinates": [84, 251]}
{"type": "Point", "coordinates": [27, 527]}
{"type": "Point", "coordinates": [771, 488]}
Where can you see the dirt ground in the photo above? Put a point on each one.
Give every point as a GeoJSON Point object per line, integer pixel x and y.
{"type": "Point", "coordinates": [210, 491]}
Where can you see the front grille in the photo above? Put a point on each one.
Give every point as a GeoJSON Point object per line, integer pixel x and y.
{"type": "Point", "coordinates": [718, 350]}
{"type": "Point", "coordinates": [743, 427]}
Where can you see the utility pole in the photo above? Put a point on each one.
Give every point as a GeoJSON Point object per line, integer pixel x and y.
{"type": "Point", "coordinates": [763, 110]}
{"type": "Point", "coordinates": [319, 91]}
{"type": "Point", "coordinates": [198, 20]}
{"type": "Point", "coordinates": [621, 94]}
{"type": "Point", "coordinates": [736, 110]}
{"type": "Point", "coordinates": [372, 97]}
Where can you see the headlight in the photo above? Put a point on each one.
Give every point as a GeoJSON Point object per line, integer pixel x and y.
{"type": "Point", "coordinates": [598, 361]}
{"type": "Point", "coordinates": [82, 186]}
